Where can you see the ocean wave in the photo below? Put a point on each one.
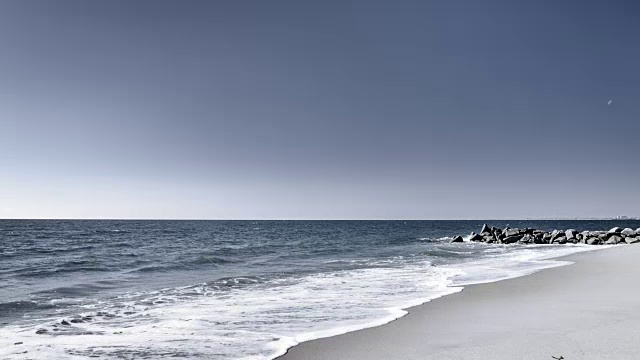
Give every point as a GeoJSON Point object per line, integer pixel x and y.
{"type": "Point", "coordinates": [218, 260]}
{"type": "Point", "coordinates": [222, 290]}
{"type": "Point", "coordinates": [254, 318]}
{"type": "Point", "coordinates": [20, 306]}
{"type": "Point", "coordinates": [260, 318]}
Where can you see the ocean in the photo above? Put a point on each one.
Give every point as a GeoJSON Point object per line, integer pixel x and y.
{"type": "Point", "coordinates": [235, 289]}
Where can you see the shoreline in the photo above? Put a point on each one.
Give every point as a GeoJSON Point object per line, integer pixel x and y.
{"type": "Point", "coordinates": [475, 322]}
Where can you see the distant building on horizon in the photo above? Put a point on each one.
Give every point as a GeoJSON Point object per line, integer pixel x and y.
{"type": "Point", "coordinates": [624, 217]}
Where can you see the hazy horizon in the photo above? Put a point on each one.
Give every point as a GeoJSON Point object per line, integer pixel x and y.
{"type": "Point", "coordinates": [355, 219]}
{"type": "Point", "coordinates": [333, 110]}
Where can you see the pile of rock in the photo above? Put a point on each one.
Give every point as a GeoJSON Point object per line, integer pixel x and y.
{"type": "Point", "coordinates": [495, 235]}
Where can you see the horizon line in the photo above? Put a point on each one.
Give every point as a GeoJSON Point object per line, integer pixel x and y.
{"type": "Point", "coordinates": [328, 219]}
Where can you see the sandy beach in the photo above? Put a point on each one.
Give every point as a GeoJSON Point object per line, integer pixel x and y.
{"type": "Point", "coordinates": [587, 310]}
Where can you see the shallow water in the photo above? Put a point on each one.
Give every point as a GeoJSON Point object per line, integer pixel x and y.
{"type": "Point", "coordinates": [234, 289]}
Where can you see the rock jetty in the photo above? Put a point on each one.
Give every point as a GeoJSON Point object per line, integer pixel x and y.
{"type": "Point", "coordinates": [493, 235]}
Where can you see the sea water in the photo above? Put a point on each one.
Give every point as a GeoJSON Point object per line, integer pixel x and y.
{"type": "Point", "coordinates": [235, 289]}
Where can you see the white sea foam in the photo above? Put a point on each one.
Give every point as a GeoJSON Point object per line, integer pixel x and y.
{"type": "Point", "coordinates": [262, 320]}
{"type": "Point", "coordinates": [502, 264]}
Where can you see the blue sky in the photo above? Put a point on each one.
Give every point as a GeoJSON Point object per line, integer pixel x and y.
{"type": "Point", "coordinates": [318, 110]}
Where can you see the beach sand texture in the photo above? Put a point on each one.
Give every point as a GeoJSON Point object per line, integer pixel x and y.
{"type": "Point", "coordinates": [587, 310]}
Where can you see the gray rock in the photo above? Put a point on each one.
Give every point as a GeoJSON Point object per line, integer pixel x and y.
{"type": "Point", "coordinates": [638, 231]}
{"type": "Point", "coordinates": [560, 240]}
{"type": "Point", "coordinates": [512, 232]}
{"type": "Point", "coordinates": [457, 239]}
{"type": "Point", "coordinates": [555, 234]}
{"type": "Point", "coordinates": [512, 239]}
{"type": "Point", "coordinates": [632, 240]}
{"type": "Point", "coordinates": [64, 322]}
{"type": "Point", "coordinates": [475, 237]}
{"type": "Point", "coordinates": [485, 229]}
{"type": "Point", "coordinates": [42, 331]}
{"type": "Point", "coordinates": [539, 239]}
{"type": "Point", "coordinates": [614, 239]}
{"type": "Point", "coordinates": [571, 234]}
{"type": "Point", "coordinates": [615, 230]}
{"type": "Point", "coordinates": [527, 239]}
{"type": "Point", "coordinates": [593, 241]}
{"type": "Point", "coordinates": [628, 232]}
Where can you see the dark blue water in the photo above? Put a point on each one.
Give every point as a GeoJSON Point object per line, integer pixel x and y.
{"type": "Point", "coordinates": [234, 289]}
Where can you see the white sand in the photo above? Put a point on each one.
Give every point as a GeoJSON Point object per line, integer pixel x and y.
{"type": "Point", "coordinates": [587, 310]}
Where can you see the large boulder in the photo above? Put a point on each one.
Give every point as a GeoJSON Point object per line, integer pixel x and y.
{"type": "Point", "coordinates": [638, 231]}
{"type": "Point", "coordinates": [527, 239]}
{"type": "Point", "coordinates": [492, 240]}
{"type": "Point", "coordinates": [560, 240]}
{"type": "Point", "coordinates": [457, 239]}
{"type": "Point", "coordinates": [632, 240]}
{"type": "Point", "coordinates": [539, 239]}
{"type": "Point", "coordinates": [614, 239]}
{"type": "Point", "coordinates": [475, 237]}
{"type": "Point", "coordinates": [628, 232]}
{"type": "Point", "coordinates": [615, 230]}
{"type": "Point", "coordinates": [555, 234]}
{"type": "Point", "coordinates": [512, 232]}
{"type": "Point", "coordinates": [485, 229]}
{"type": "Point", "coordinates": [593, 241]}
{"type": "Point", "coordinates": [489, 238]}
{"type": "Point", "coordinates": [571, 234]}
{"type": "Point", "coordinates": [512, 239]}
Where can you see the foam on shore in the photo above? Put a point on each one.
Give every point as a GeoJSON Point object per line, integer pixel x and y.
{"type": "Point", "coordinates": [262, 319]}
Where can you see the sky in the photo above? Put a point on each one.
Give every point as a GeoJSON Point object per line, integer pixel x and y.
{"type": "Point", "coordinates": [319, 109]}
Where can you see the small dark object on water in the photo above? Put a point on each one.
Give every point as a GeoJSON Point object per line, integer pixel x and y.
{"type": "Point", "coordinates": [18, 343]}
{"type": "Point", "coordinates": [64, 322]}
{"type": "Point", "coordinates": [42, 331]}
{"type": "Point", "coordinates": [558, 358]}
